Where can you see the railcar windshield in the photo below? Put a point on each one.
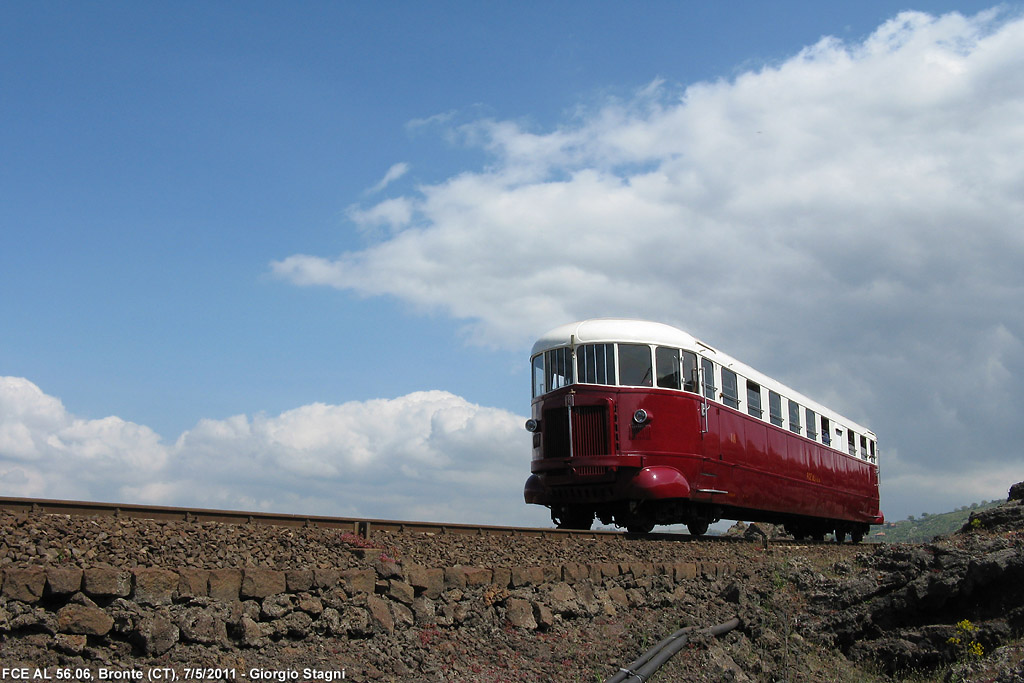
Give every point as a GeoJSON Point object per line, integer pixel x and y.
{"type": "Point", "coordinates": [631, 365]}
{"type": "Point", "coordinates": [635, 369]}
{"type": "Point", "coordinates": [557, 368]}
{"type": "Point", "coordinates": [595, 363]}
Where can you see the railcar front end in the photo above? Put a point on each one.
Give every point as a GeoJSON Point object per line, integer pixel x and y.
{"type": "Point", "coordinates": [622, 455]}
{"type": "Point", "coordinates": [639, 424]}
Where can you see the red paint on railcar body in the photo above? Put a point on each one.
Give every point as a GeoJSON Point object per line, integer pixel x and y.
{"type": "Point", "coordinates": [688, 459]}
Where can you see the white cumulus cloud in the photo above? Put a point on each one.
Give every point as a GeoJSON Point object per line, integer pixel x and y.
{"type": "Point", "coordinates": [847, 219]}
{"type": "Point", "coordinates": [426, 455]}
{"type": "Point", "coordinates": [47, 452]}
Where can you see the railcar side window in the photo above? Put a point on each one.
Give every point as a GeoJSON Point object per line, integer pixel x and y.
{"type": "Point", "coordinates": [538, 375]}
{"type": "Point", "coordinates": [635, 365]}
{"type": "Point", "coordinates": [595, 363]}
{"type": "Point", "coordinates": [730, 392]}
{"type": "Point", "coordinates": [812, 424]}
{"type": "Point", "coordinates": [826, 437]}
{"type": "Point", "coordinates": [557, 368]}
{"type": "Point", "coordinates": [669, 367]}
{"type": "Point", "coordinates": [690, 371]}
{"type": "Point", "coordinates": [707, 368]}
{"type": "Point", "coordinates": [851, 442]}
{"type": "Point", "coordinates": [754, 399]}
{"type": "Point", "coordinates": [775, 408]}
{"type": "Point", "coordinates": [863, 446]}
{"type": "Point", "coordinates": [794, 417]}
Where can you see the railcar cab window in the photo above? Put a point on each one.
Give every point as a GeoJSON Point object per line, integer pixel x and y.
{"type": "Point", "coordinates": [635, 365]}
{"type": "Point", "coordinates": [812, 424]}
{"type": "Point", "coordinates": [677, 369]}
{"type": "Point", "coordinates": [538, 375]}
{"type": "Point", "coordinates": [669, 367]}
{"type": "Point", "coordinates": [730, 392]}
{"type": "Point", "coordinates": [557, 369]}
{"type": "Point", "coordinates": [595, 363]}
{"type": "Point", "coordinates": [754, 399]}
{"type": "Point", "coordinates": [689, 371]}
{"type": "Point", "coordinates": [775, 408]}
{"type": "Point", "coordinates": [707, 369]}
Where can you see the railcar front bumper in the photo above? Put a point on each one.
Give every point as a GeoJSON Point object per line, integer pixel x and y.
{"type": "Point", "coordinates": [602, 480]}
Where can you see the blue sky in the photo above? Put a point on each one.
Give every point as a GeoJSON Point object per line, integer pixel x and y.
{"type": "Point", "coordinates": [253, 237]}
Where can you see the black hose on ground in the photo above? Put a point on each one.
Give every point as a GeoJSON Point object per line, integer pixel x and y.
{"type": "Point", "coordinates": [652, 660]}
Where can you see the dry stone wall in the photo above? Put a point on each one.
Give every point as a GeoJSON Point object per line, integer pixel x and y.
{"type": "Point", "coordinates": [133, 595]}
{"type": "Point", "coordinates": [124, 592]}
{"type": "Point", "coordinates": [155, 609]}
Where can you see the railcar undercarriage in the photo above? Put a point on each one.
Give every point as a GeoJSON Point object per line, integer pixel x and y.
{"type": "Point", "coordinates": [640, 517]}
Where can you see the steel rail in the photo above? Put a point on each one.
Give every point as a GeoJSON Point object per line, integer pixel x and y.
{"type": "Point", "coordinates": [363, 527]}
{"type": "Point", "coordinates": [360, 526]}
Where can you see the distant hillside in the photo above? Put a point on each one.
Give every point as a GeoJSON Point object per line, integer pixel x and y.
{"type": "Point", "coordinates": [926, 527]}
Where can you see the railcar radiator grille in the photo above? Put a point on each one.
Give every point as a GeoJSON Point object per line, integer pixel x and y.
{"type": "Point", "coordinates": [589, 432]}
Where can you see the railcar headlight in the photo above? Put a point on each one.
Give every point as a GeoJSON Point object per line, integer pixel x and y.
{"type": "Point", "coordinates": [532, 425]}
{"type": "Point", "coordinates": [641, 416]}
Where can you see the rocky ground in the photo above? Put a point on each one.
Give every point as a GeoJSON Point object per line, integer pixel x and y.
{"type": "Point", "coordinates": [949, 610]}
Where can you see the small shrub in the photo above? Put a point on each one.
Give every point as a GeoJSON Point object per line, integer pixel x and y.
{"type": "Point", "coordinates": [964, 644]}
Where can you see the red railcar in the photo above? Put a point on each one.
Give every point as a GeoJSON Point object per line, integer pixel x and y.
{"type": "Point", "coordinates": [638, 423]}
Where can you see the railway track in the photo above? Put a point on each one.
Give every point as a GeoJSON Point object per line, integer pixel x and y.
{"type": "Point", "coordinates": [359, 526]}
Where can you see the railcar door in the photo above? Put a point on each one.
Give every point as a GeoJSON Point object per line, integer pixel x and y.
{"type": "Point", "coordinates": [712, 484]}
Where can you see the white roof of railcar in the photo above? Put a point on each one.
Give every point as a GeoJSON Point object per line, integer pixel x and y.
{"type": "Point", "coordinates": [598, 330]}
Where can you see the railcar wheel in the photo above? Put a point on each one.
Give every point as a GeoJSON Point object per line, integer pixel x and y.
{"type": "Point", "coordinates": [697, 528]}
{"type": "Point", "coordinates": [857, 536]}
{"type": "Point", "coordinates": [573, 518]}
{"type": "Point", "coordinates": [840, 535]}
{"type": "Point", "coordinates": [640, 527]}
